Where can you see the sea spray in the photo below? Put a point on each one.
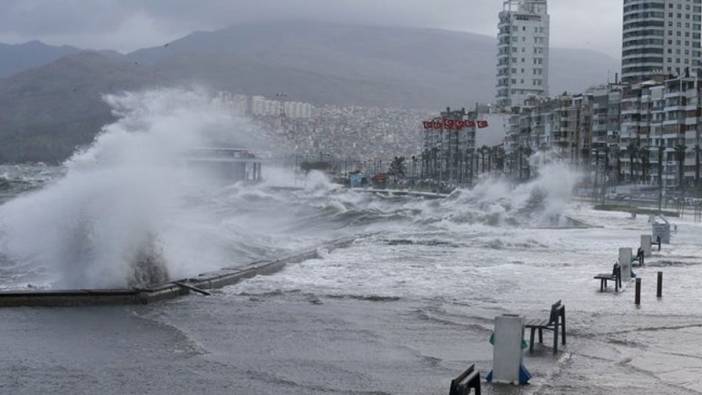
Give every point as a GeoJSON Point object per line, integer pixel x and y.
{"type": "Point", "coordinates": [496, 201]}
{"type": "Point", "coordinates": [127, 213]}
{"type": "Point", "coordinates": [120, 215]}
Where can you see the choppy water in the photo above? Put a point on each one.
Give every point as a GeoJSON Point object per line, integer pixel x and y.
{"type": "Point", "coordinates": [17, 179]}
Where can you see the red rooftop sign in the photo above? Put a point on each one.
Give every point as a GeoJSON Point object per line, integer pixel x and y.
{"type": "Point", "coordinates": [450, 124]}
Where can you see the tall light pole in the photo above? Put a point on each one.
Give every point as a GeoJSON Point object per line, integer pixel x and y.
{"type": "Point", "coordinates": [660, 177]}
{"type": "Point", "coordinates": [597, 171]}
{"type": "Point", "coordinates": [697, 166]}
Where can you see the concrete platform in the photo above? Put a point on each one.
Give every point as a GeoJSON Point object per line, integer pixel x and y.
{"type": "Point", "coordinates": [170, 290]}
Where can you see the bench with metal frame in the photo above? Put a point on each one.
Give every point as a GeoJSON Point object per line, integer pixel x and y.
{"type": "Point", "coordinates": [639, 259]}
{"type": "Point", "coordinates": [616, 276]}
{"type": "Point", "coordinates": [555, 322]}
{"type": "Point", "coordinates": [658, 243]}
{"type": "Point", "coordinates": [470, 379]}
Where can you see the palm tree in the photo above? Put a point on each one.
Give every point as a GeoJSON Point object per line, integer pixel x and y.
{"type": "Point", "coordinates": [423, 164]}
{"type": "Point", "coordinates": [645, 155]}
{"type": "Point", "coordinates": [483, 152]}
{"type": "Point", "coordinates": [435, 163]}
{"type": "Point", "coordinates": [470, 162]}
{"type": "Point", "coordinates": [680, 150]}
{"type": "Point", "coordinates": [618, 154]}
{"type": "Point", "coordinates": [606, 164]}
{"type": "Point", "coordinates": [697, 165]}
{"type": "Point", "coordinates": [586, 153]}
{"type": "Point", "coordinates": [491, 154]}
{"type": "Point", "coordinates": [397, 168]}
{"type": "Point", "coordinates": [414, 167]}
{"type": "Point", "coordinates": [500, 158]}
{"type": "Point", "coordinates": [517, 162]}
{"type": "Point", "coordinates": [633, 151]}
{"type": "Point", "coordinates": [527, 153]}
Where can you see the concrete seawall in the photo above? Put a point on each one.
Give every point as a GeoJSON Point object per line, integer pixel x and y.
{"type": "Point", "coordinates": [384, 192]}
{"type": "Point", "coordinates": [403, 192]}
{"type": "Point", "coordinates": [170, 290]}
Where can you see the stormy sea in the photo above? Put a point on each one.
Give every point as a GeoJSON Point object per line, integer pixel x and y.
{"type": "Point", "coordinates": [405, 308]}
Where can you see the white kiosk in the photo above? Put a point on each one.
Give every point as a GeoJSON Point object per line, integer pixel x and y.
{"type": "Point", "coordinates": [625, 255]}
{"type": "Point", "coordinates": [646, 245]}
{"type": "Point", "coordinates": [507, 351]}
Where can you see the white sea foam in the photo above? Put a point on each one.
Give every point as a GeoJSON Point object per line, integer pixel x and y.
{"type": "Point", "coordinates": [122, 200]}
{"type": "Point", "coordinates": [540, 201]}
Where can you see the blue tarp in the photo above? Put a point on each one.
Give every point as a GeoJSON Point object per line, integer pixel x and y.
{"type": "Point", "coordinates": [356, 180]}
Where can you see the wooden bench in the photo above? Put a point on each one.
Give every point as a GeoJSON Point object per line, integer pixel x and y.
{"type": "Point", "coordinates": [616, 276]}
{"type": "Point", "coordinates": [470, 379]}
{"type": "Point", "coordinates": [555, 321]}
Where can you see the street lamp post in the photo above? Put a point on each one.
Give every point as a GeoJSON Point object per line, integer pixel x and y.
{"type": "Point", "coordinates": [597, 171]}
{"type": "Point", "coordinates": [605, 179]}
{"type": "Point", "coordinates": [697, 166]}
{"type": "Point", "coordinates": [470, 154]}
{"type": "Point", "coordinates": [660, 177]}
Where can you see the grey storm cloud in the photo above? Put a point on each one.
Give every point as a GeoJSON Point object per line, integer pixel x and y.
{"type": "Point", "coordinates": [130, 24]}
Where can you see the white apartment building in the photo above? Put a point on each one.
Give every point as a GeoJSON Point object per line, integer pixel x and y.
{"type": "Point", "coordinates": [298, 110]}
{"type": "Point", "coordinates": [260, 106]}
{"type": "Point", "coordinates": [663, 113]}
{"type": "Point", "coordinates": [237, 104]}
{"type": "Point", "coordinates": [660, 36]}
{"type": "Point", "coordinates": [523, 51]}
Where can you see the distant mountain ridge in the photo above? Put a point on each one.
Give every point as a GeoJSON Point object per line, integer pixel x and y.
{"type": "Point", "coordinates": [15, 58]}
{"type": "Point", "coordinates": [350, 64]}
{"type": "Point", "coordinates": [48, 110]}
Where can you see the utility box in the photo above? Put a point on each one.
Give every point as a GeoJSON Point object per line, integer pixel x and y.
{"type": "Point", "coordinates": [646, 245]}
{"type": "Point", "coordinates": [625, 255]}
{"type": "Point", "coordinates": [507, 351]}
{"type": "Point", "coordinates": [661, 228]}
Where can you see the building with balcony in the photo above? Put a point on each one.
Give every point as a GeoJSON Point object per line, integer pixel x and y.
{"type": "Point", "coordinates": [523, 52]}
{"type": "Point", "coordinates": [660, 114]}
{"type": "Point", "coordinates": [660, 36]}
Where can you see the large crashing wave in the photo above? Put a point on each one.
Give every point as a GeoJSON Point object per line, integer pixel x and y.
{"type": "Point", "coordinates": [117, 217]}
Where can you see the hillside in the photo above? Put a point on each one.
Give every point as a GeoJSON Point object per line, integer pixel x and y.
{"type": "Point", "coordinates": [49, 111]}
{"type": "Point", "coordinates": [20, 57]}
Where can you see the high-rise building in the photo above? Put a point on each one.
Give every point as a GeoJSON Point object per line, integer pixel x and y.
{"type": "Point", "coordinates": [660, 37]}
{"type": "Point", "coordinates": [523, 51]}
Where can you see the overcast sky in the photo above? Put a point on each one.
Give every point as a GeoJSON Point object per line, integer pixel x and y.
{"type": "Point", "coordinates": [125, 25]}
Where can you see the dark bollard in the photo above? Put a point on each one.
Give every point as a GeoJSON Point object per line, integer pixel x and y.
{"type": "Point", "coordinates": [637, 298]}
{"type": "Point", "coordinates": [659, 292]}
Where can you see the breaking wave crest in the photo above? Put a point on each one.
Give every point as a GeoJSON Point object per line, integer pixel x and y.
{"type": "Point", "coordinates": [123, 215]}
{"type": "Point", "coordinates": [493, 202]}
